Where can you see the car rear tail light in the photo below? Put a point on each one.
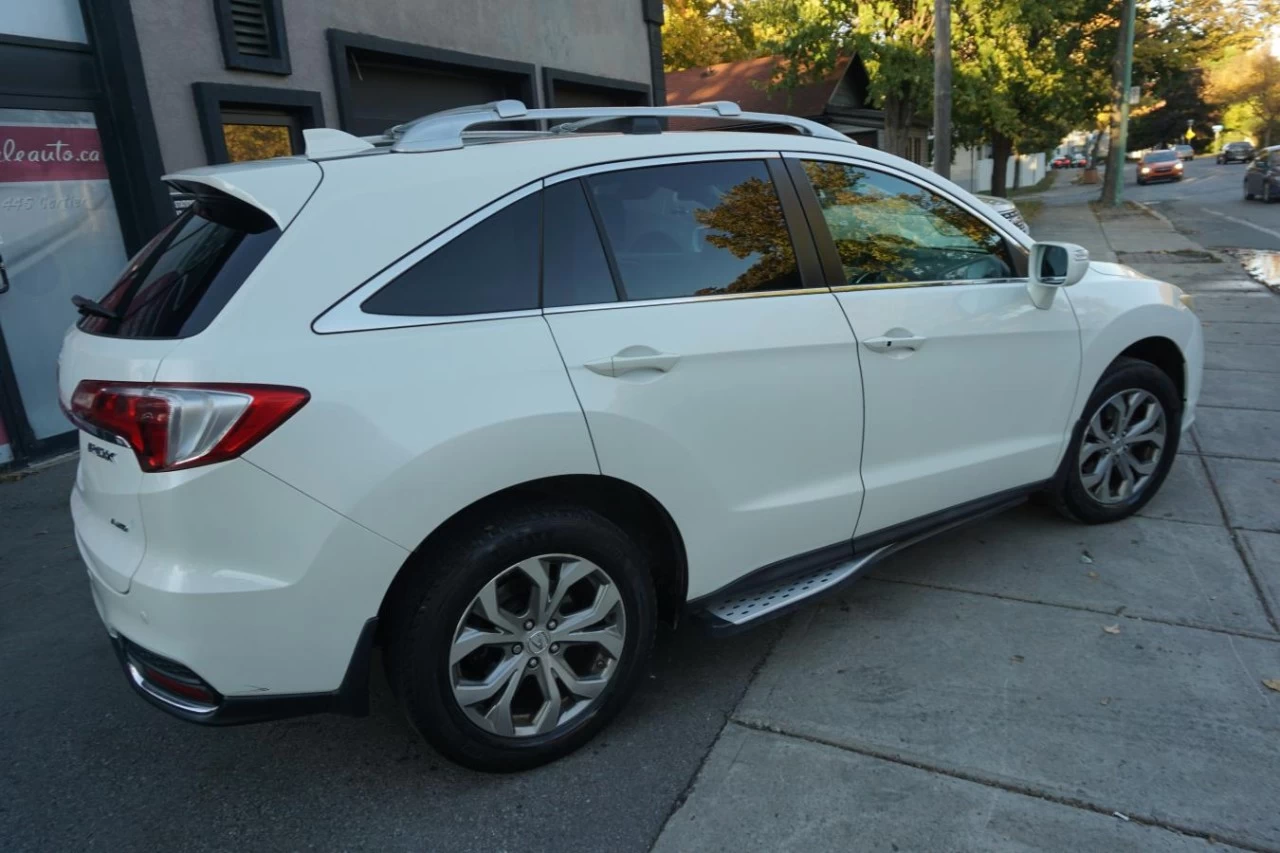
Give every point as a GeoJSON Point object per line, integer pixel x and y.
{"type": "Point", "coordinates": [175, 426]}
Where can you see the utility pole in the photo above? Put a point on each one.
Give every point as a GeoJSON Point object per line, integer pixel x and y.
{"type": "Point", "coordinates": [942, 87]}
{"type": "Point", "coordinates": [1122, 69]}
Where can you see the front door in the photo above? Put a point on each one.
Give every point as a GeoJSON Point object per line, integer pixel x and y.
{"type": "Point", "coordinates": [711, 374]}
{"type": "Point", "coordinates": [968, 386]}
{"type": "Point", "coordinates": [59, 236]}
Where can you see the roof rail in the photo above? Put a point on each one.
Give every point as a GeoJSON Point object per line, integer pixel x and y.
{"type": "Point", "coordinates": [443, 130]}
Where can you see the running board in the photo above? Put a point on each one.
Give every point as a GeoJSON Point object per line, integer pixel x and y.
{"type": "Point", "coordinates": [738, 608]}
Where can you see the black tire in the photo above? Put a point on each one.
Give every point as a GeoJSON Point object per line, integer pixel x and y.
{"type": "Point", "coordinates": [429, 607]}
{"type": "Point", "coordinates": [1068, 494]}
{"type": "Point", "coordinates": [1248, 196]}
{"type": "Point", "coordinates": [1266, 193]}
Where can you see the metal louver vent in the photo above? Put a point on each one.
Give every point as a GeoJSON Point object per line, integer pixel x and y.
{"type": "Point", "coordinates": [252, 27]}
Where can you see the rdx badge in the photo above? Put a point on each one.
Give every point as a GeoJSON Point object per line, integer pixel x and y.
{"type": "Point", "coordinates": [109, 455]}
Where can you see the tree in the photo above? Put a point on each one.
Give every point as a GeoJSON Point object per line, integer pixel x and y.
{"type": "Point", "coordinates": [894, 39]}
{"type": "Point", "coordinates": [708, 32]}
{"type": "Point", "coordinates": [1252, 80]}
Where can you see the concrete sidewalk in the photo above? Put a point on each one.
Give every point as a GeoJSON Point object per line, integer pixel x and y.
{"type": "Point", "coordinates": [1030, 684]}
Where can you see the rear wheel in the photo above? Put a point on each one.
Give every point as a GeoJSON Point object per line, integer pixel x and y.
{"type": "Point", "coordinates": [1266, 193]}
{"type": "Point", "coordinates": [1123, 446]}
{"type": "Point", "coordinates": [516, 643]}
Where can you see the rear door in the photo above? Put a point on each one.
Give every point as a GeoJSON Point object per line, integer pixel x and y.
{"type": "Point", "coordinates": [968, 385]}
{"type": "Point", "coordinates": [171, 290]}
{"type": "Point", "coordinates": [715, 369]}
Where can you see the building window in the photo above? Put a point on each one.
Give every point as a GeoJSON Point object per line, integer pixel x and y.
{"type": "Point", "coordinates": [259, 135]}
{"type": "Point", "coordinates": [380, 83]}
{"type": "Point", "coordinates": [254, 122]}
{"type": "Point", "coordinates": [570, 89]}
{"type": "Point", "coordinates": [253, 35]}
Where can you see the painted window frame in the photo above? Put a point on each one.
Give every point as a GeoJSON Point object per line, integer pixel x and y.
{"type": "Point", "coordinates": [212, 99]}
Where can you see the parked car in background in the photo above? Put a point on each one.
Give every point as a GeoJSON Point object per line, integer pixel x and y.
{"type": "Point", "coordinates": [600, 380]}
{"type": "Point", "coordinates": [1062, 161]}
{"type": "Point", "coordinates": [1007, 209]}
{"type": "Point", "coordinates": [1135, 155]}
{"type": "Point", "coordinates": [1262, 178]}
{"type": "Point", "coordinates": [1236, 152]}
{"type": "Point", "coordinates": [1162, 165]}
{"type": "Point", "coordinates": [1185, 152]}
{"type": "Point", "coordinates": [1079, 161]}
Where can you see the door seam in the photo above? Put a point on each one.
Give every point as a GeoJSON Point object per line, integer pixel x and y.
{"type": "Point", "coordinates": [581, 409]}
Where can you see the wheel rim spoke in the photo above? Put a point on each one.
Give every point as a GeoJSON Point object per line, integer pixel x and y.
{"type": "Point", "coordinates": [1121, 449]}
{"type": "Point", "coordinates": [537, 646]}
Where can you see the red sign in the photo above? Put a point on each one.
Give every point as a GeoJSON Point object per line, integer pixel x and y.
{"type": "Point", "coordinates": [32, 153]}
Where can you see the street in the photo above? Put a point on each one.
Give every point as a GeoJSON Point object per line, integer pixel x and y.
{"type": "Point", "coordinates": [1207, 205]}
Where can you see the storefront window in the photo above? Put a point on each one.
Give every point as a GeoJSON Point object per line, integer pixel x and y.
{"type": "Point", "coordinates": [57, 20]}
{"type": "Point", "coordinates": [59, 236]}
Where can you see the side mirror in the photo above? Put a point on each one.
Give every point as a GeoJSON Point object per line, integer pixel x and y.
{"type": "Point", "coordinates": [1055, 265]}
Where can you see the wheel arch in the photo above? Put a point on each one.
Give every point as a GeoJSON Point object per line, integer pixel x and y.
{"type": "Point", "coordinates": [1165, 354]}
{"type": "Point", "coordinates": [625, 504]}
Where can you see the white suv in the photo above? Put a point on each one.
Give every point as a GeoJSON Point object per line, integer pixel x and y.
{"type": "Point", "coordinates": [500, 401]}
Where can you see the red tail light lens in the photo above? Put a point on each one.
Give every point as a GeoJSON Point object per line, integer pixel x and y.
{"type": "Point", "coordinates": [175, 426]}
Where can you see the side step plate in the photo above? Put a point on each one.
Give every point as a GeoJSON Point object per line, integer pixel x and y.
{"type": "Point", "coordinates": [740, 607]}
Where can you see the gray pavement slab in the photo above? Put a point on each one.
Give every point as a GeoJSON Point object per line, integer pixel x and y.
{"type": "Point", "coordinates": [1164, 723]}
{"type": "Point", "coordinates": [1195, 284]}
{"type": "Point", "coordinates": [1250, 492]}
{"type": "Point", "coordinates": [1262, 550]}
{"type": "Point", "coordinates": [1241, 389]}
{"type": "Point", "coordinates": [1238, 432]}
{"type": "Point", "coordinates": [1242, 333]}
{"type": "Point", "coordinates": [1256, 358]}
{"type": "Point", "coordinates": [1185, 496]}
{"type": "Point", "coordinates": [1185, 573]}
{"type": "Point", "coordinates": [764, 791]}
{"type": "Point", "coordinates": [87, 765]}
{"type": "Point", "coordinates": [1237, 307]}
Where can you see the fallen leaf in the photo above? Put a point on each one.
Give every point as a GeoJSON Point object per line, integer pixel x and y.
{"type": "Point", "coordinates": [1093, 576]}
{"type": "Point", "coordinates": [1020, 659]}
{"type": "Point", "coordinates": [1112, 629]}
{"type": "Point", "coordinates": [1106, 700]}
{"type": "Point", "coordinates": [1085, 558]}
{"type": "Point", "coordinates": [1272, 683]}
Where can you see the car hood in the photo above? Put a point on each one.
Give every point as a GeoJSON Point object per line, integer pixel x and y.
{"type": "Point", "coordinates": [1115, 270]}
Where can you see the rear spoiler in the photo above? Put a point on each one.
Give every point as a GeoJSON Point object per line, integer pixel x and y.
{"type": "Point", "coordinates": [278, 188]}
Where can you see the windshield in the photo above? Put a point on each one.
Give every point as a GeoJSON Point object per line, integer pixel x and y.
{"type": "Point", "coordinates": [1160, 157]}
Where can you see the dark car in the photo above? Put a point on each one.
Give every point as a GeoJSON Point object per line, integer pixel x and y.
{"type": "Point", "coordinates": [1262, 180]}
{"type": "Point", "coordinates": [1162, 165]}
{"type": "Point", "coordinates": [1236, 152]}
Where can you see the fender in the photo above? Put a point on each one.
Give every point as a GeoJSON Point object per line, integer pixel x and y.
{"type": "Point", "coordinates": [1116, 307]}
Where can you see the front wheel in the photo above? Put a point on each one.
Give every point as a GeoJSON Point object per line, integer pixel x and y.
{"type": "Point", "coordinates": [516, 642]}
{"type": "Point", "coordinates": [1266, 193]}
{"type": "Point", "coordinates": [1123, 446]}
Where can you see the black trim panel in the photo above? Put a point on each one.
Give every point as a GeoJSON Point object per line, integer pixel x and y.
{"type": "Point", "coordinates": [350, 699]}
{"type": "Point", "coordinates": [908, 532]}
{"type": "Point", "coordinates": [801, 232]}
{"type": "Point", "coordinates": [828, 255]}
{"type": "Point", "coordinates": [810, 561]}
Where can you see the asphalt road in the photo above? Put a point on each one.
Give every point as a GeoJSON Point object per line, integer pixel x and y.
{"type": "Point", "coordinates": [1207, 205]}
{"type": "Point", "coordinates": [87, 765]}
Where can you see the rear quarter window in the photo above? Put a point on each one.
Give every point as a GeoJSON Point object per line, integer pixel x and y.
{"type": "Point", "coordinates": [184, 277]}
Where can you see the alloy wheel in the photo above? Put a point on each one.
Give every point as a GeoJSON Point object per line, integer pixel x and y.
{"type": "Point", "coordinates": [537, 646]}
{"type": "Point", "coordinates": [1121, 448]}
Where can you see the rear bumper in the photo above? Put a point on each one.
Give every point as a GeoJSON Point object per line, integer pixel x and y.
{"type": "Point", "coordinates": [351, 698]}
{"type": "Point", "coordinates": [260, 591]}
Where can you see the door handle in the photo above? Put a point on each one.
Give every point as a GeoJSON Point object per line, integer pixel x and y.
{"type": "Point", "coordinates": [633, 358]}
{"type": "Point", "coordinates": [887, 344]}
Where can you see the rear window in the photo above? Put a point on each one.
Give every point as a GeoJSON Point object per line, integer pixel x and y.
{"type": "Point", "coordinates": [179, 282]}
{"type": "Point", "coordinates": [1161, 156]}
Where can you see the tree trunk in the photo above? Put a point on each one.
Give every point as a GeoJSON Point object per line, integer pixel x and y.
{"type": "Point", "coordinates": [1111, 182]}
{"type": "Point", "coordinates": [942, 88]}
{"type": "Point", "coordinates": [897, 125]}
{"type": "Point", "coordinates": [1001, 148]}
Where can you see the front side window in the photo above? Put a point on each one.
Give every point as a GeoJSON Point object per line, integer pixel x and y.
{"type": "Point", "coordinates": [489, 268]}
{"type": "Point", "coordinates": [695, 229]}
{"type": "Point", "coordinates": [889, 230]}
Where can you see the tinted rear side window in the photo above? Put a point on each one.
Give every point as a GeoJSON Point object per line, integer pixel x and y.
{"type": "Point", "coordinates": [491, 267]}
{"type": "Point", "coordinates": [696, 229]}
{"type": "Point", "coordinates": [179, 282]}
{"type": "Point", "coordinates": [574, 267]}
